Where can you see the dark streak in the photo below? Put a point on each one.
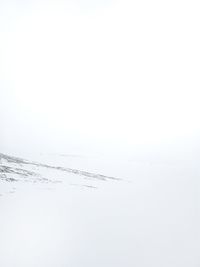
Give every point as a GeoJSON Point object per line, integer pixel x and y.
{"type": "Point", "coordinates": [68, 170]}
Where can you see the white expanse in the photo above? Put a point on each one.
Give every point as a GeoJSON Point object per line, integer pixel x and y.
{"type": "Point", "coordinates": [93, 90]}
{"type": "Point", "coordinates": [149, 218]}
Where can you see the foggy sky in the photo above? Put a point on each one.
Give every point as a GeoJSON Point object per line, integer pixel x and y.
{"type": "Point", "coordinates": [121, 72]}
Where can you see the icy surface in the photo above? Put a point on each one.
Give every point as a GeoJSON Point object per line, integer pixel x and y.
{"type": "Point", "coordinates": [77, 211]}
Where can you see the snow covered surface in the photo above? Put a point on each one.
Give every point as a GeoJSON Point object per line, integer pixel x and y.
{"type": "Point", "coordinates": [97, 211]}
